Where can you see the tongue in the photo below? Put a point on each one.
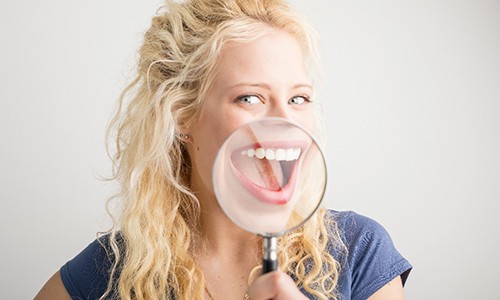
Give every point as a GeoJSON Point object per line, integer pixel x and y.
{"type": "Point", "coordinates": [262, 172]}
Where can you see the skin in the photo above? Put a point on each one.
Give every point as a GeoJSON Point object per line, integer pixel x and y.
{"type": "Point", "coordinates": [270, 72]}
{"type": "Point", "coordinates": [53, 289]}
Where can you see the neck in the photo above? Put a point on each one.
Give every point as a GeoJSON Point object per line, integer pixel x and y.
{"type": "Point", "coordinates": [222, 237]}
{"type": "Point", "coordinates": [227, 253]}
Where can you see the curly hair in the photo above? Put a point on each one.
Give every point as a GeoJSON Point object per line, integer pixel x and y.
{"type": "Point", "coordinates": [154, 230]}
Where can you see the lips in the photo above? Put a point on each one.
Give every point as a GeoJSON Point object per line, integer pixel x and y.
{"type": "Point", "coordinates": [268, 170]}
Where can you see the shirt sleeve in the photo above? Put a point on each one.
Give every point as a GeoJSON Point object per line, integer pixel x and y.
{"type": "Point", "coordinates": [372, 259]}
{"type": "Point", "coordinates": [86, 275]}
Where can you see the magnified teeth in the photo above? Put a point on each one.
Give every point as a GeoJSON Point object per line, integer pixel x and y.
{"type": "Point", "coordinates": [270, 154]}
{"type": "Point", "coordinates": [250, 152]}
{"type": "Point", "coordinates": [290, 154]}
{"type": "Point", "coordinates": [260, 153]}
{"type": "Point", "coordinates": [278, 154]}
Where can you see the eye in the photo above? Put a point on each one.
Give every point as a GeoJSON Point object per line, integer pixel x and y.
{"type": "Point", "coordinates": [249, 99]}
{"type": "Point", "coordinates": [298, 100]}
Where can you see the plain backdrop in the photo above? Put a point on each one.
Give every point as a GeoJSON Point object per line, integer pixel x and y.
{"type": "Point", "coordinates": [411, 94]}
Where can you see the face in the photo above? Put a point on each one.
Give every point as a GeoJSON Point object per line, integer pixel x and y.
{"type": "Point", "coordinates": [262, 78]}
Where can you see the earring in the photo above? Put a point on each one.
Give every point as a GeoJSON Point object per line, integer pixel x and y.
{"type": "Point", "coordinates": [184, 137]}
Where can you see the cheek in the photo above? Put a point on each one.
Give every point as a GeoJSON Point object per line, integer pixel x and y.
{"type": "Point", "coordinates": [229, 122]}
{"type": "Point", "coordinates": [211, 132]}
{"type": "Point", "coordinates": [307, 119]}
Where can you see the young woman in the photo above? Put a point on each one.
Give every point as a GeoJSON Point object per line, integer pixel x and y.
{"type": "Point", "coordinates": [207, 67]}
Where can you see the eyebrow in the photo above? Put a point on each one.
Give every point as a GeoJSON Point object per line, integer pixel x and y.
{"type": "Point", "coordinates": [268, 87]}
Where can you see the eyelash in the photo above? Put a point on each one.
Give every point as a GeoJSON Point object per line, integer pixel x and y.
{"type": "Point", "coordinates": [304, 97]}
{"type": "Point", "coordinates": [242, 97]}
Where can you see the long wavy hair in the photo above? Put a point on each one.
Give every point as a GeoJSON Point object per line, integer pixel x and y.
{"type": "Point", "coordinates": [155, 226]}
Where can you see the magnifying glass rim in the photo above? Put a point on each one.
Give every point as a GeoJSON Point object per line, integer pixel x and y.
{"type": "Point", "coordinates": [216, 189]}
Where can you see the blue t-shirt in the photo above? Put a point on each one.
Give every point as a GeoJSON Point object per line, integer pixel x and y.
{"type": "Point", "coordinates": [370, 263]}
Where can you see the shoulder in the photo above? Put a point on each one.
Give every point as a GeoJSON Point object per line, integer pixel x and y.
{"type": "Point", "coordinates": [370, 259]}
{"type": "Point", "coordinates": [354, 227]}
{"type": "Point", "coordinates": [356, 232]}
{"type": "Point", "coordinates": [86, 276]}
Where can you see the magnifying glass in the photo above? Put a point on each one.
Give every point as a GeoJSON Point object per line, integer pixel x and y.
{"type": "Point", "coordinates": [269, 177]}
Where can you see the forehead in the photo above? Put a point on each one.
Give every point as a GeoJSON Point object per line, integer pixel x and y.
{"type": "Point", "coordinates": [276, 55]}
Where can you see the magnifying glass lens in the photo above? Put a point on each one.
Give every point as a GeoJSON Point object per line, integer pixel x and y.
{"type": "Point", "coordinates": [269, 176]}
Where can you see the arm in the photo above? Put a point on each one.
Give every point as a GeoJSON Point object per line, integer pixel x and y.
{"type": "Point", "coordinates": [53, 289]}
{"type": "Point", "coordinates": [391, 291]}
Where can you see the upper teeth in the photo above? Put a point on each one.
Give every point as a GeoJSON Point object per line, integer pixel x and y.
{"type": "Point", "coordinates": [273, 154]}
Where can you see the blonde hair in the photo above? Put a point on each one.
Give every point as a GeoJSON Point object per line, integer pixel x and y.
{"type": "Point", "coordinates": [151, 251]}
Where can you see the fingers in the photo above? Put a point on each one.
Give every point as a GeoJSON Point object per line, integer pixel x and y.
{"type": "Point", "coordinates": [274, 285]}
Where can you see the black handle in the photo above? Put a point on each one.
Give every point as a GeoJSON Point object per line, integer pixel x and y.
{"type": "Point", "coordinates": [269, 265]}
{"type": "Point", "coordinates": [270, 260]}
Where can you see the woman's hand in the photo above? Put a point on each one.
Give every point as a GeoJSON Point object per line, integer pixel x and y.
{"type": "Point", "coordinates": [275, 285]}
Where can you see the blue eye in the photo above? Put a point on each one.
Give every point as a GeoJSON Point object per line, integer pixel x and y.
{"type": "Point", "coordinates": [298, 100]}
{"type": "Point", "coordinates": [249, 99]}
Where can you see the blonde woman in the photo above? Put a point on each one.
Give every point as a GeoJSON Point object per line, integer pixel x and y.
{"type": "Point", "coordinates": [206, 67]}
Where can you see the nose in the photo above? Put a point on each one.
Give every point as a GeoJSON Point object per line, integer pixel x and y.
{"type": "Point", "coordinates": [280, 109]}
{"type": "Point", "coordinates": [300, 115]}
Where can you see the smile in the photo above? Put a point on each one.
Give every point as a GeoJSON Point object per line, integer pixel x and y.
{"type": "Point", "coordinates": [268, 171]}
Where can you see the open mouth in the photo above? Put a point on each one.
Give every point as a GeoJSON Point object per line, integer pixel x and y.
{"type": "Point", "coordinates": [268, 171]}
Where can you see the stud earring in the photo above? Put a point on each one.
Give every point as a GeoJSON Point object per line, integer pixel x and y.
{"type": "Point", "coordinates": [184, 137]}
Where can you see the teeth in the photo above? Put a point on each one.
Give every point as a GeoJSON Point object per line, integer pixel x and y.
{"type": "Point", "coordinates": [280, 154]}
{"type": "Point", "coordinates": [290, 154]}
{"type": "Point", "coordinates": [273, 154]}
{"type": "Point", "coordinates": [260, 153]}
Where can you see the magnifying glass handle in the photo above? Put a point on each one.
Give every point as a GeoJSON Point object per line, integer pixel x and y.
{"type": "Point", "coordinates": [270, 260]}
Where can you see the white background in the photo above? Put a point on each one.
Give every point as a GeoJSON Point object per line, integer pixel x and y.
{"type": "Point", "coordinates": [411, 93]}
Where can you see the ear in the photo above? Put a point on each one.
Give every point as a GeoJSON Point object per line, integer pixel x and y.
{"type": "Point", "coordinates": [184, 133]}
{"type": "Point", "coordinates": [184, 137]}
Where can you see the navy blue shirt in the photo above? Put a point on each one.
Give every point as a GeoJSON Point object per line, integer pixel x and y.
{"type": "Point", "coordinates": [370, 263]}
